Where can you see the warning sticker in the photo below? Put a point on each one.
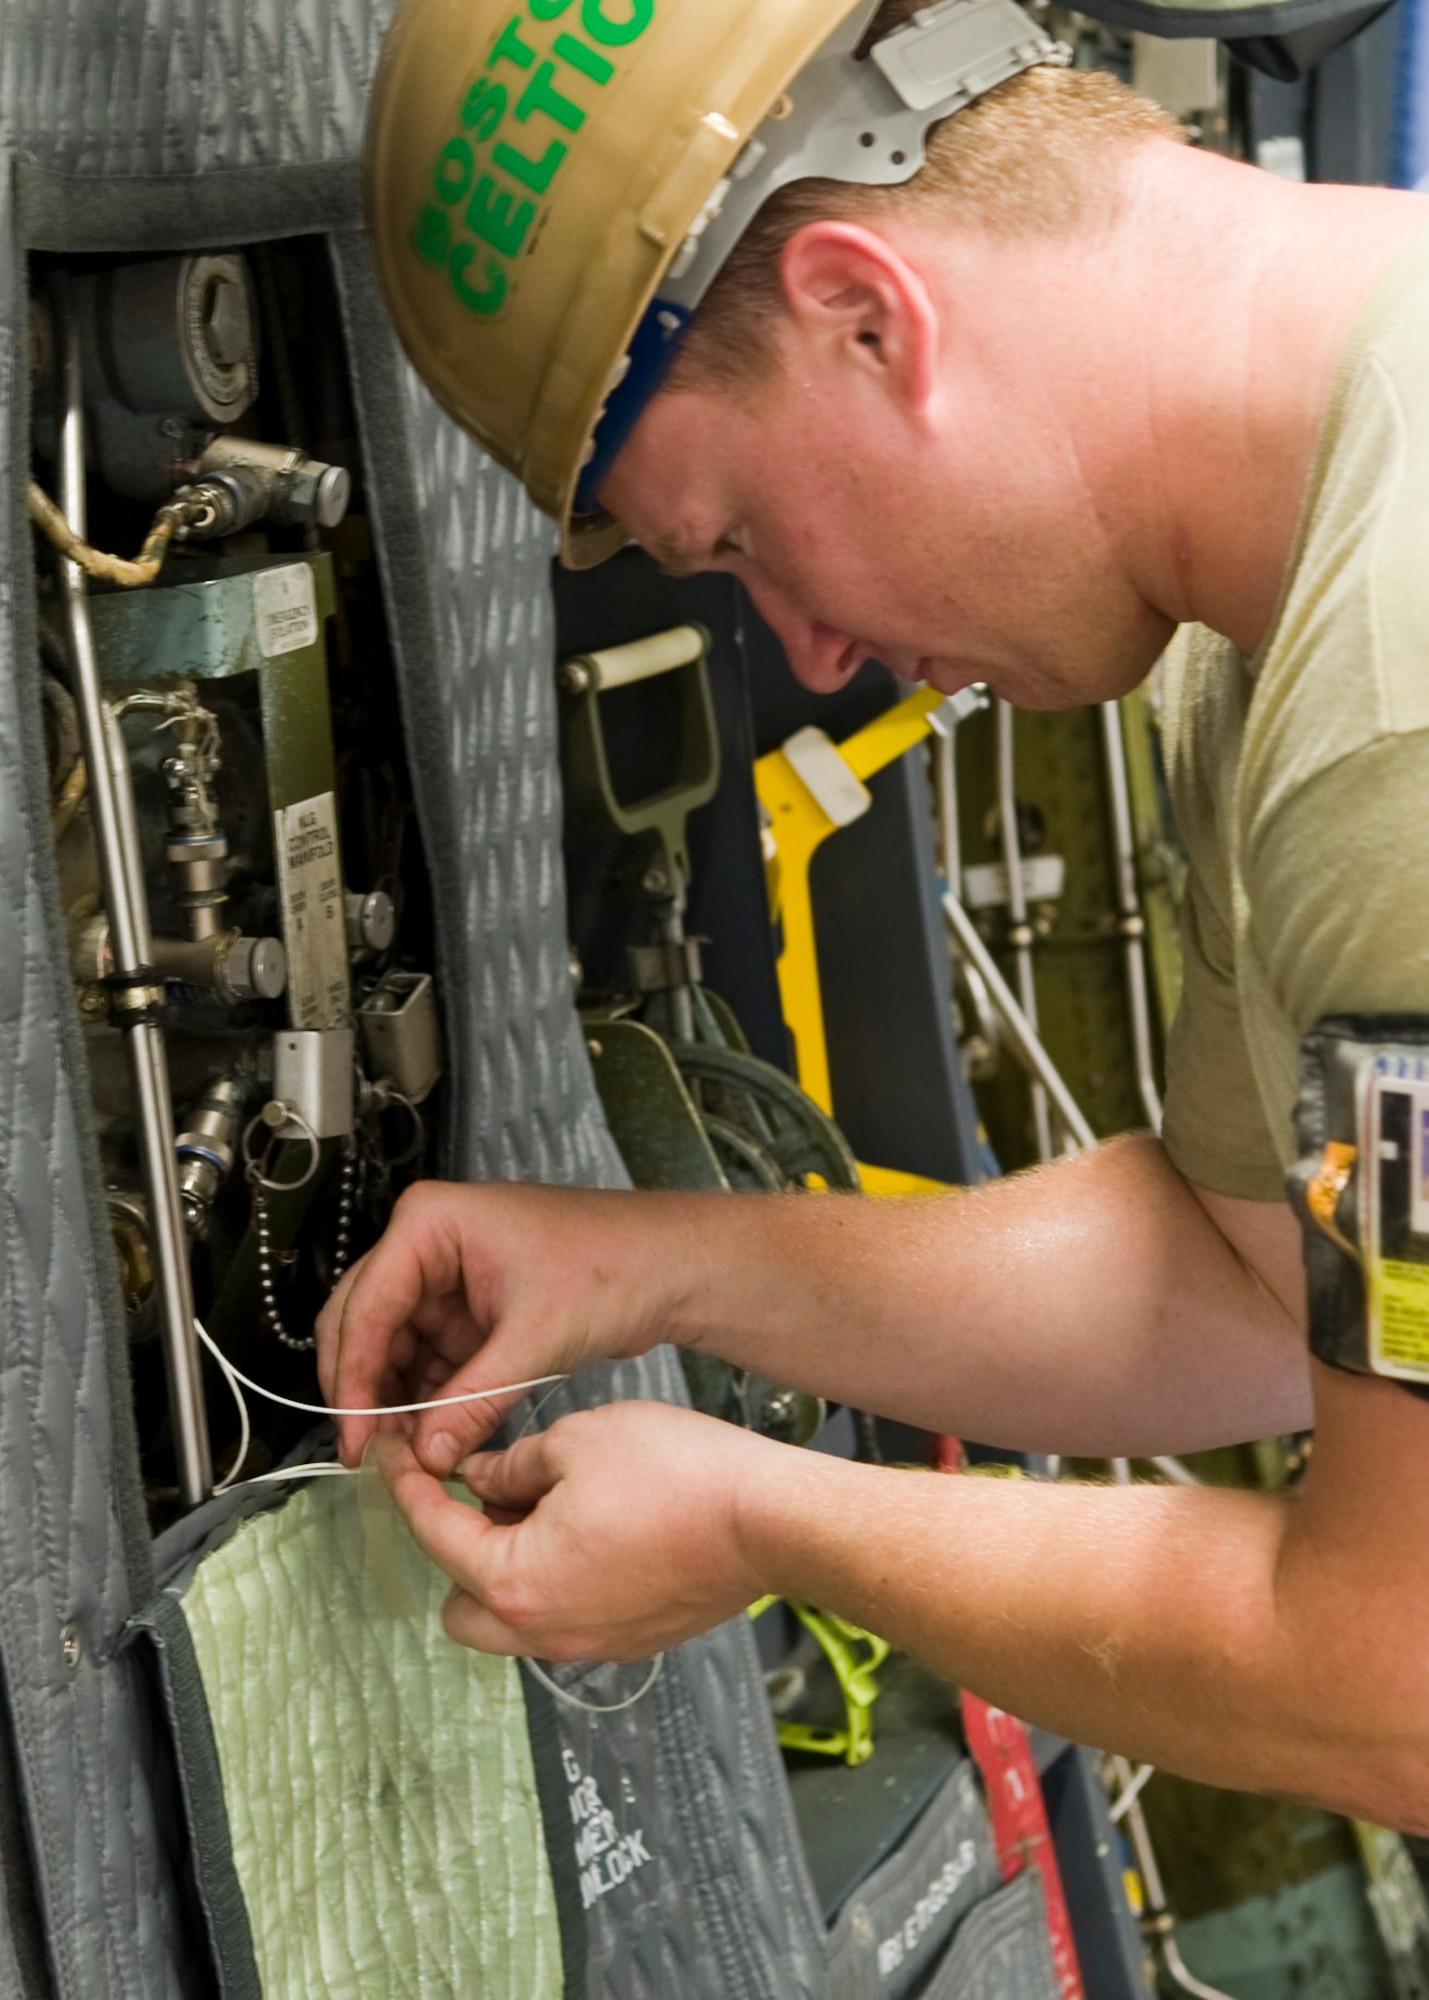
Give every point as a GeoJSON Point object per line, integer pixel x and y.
{"type": "Point", "coordinates": [285, 609]}
{"type": "Point", "coordinates": [310, 886]}
{"type": "Point", "coordinates": [1403, 1317]}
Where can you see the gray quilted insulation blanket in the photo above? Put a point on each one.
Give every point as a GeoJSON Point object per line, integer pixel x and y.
{"type": "Point", "coordinates": [167, 124]}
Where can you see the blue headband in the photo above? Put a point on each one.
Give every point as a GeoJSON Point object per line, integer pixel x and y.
{"type": "Point", "coordinates": [654, 346]}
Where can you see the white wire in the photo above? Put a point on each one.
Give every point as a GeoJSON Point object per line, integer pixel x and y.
{"type": "Point", "coordinates": [329, 1469]}
{"type": "Point", "coordinates": [1132, 1791]}
{"type": "Point", "coordinates": [245, 1429]}
{"type": "Point", "coordinates": [538, 1672]}
{"type": "Point", "coordinates": [382, 1409]}
{"type": "Point", "coordinates": [322, 1468]}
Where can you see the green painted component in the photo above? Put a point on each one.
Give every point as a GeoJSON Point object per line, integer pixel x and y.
{"type": "Point", "coordinates": [793, 1133]}
{"type": "Point", "coordinates": [1079, 964]}
{"type": "Point", "coordinates": [1314, 1940]}
{"type": "Point", "coordinates": [722, 1027]}
{"type": "Point", "coordinates": [207, 630]}
{"type": "Point", "coordinates": [651, 1115]}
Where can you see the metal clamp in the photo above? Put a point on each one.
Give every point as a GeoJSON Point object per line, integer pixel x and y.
{"type": "Point", "coordinates": [664, 968]}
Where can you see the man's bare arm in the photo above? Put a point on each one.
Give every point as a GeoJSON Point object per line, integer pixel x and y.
{"type": "Point", "coordinates": [1099, 1307]}
{"type": "Point", "coordinates": [1270, 1644]}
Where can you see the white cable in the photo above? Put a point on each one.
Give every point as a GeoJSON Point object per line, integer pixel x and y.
{"type": "Point", "coordinates": [538, 1672]}
{"type": "Point", "coordinates": [321, 1468]}
{"type": "Point", "coordinates": [1132, 1792]}
{"type": "Point", "coordinates": [382, 1409]}
{"type": "Point", "coordinates": [1176, 1472]}
{"type": "Point", "coordinates": [245, 1430]}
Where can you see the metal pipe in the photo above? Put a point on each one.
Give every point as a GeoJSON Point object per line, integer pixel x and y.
{"type": "Point", "coordinates": [1160, 1922]}
{"type": "Point", "coordinates": [1021, 1033]}
{"type": "Point", "coordinates": [945, 777]}
{"type": "Point", "coordinates": [122, 885]}
{"type": "Point", "coordinates": [1019, 932]}
{"type": "Point", "coordinates": [1132, 924]}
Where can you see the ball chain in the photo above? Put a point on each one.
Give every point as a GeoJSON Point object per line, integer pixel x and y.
{"type": "Point", "coordinates": [342, 1250]}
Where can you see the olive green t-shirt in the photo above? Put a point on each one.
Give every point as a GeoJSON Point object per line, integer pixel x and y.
{"type": "Point", "coordinates": [1300, 777]}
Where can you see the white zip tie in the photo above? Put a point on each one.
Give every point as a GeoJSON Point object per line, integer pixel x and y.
{"type": "Point", "coordinates": [382, 1410]}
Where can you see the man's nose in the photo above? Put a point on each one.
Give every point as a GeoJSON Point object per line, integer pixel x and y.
{"type": "Point", "coordinates": [816, 652]}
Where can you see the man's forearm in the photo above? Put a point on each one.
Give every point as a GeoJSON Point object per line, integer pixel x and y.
{"type": "Point", "coordinates": [1151, 1621]}
{"type": "Point", "coordinates": [1092, 1308]}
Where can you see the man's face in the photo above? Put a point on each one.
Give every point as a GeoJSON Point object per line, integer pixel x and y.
{"type": "Point", "coordinates": [956, 543]}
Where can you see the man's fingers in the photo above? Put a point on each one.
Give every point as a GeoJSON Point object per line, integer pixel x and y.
{"type": "Point", "coordinates": [471, 1624]}
{"type": "Point", "coordinates": [444, 1436]}
{"type": "Point", "coordinates": [515, 1478]}
{"type": "Point", "coordinates": [450, 1532]}
{"type": "Point", "coordinates": [378, 1299]}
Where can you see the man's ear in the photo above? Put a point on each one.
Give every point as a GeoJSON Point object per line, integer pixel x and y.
{"type": "Point", "coordinates": [851, 294]}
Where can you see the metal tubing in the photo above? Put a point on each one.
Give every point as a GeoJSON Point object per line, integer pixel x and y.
{"type": "Point", "coordinates": [122, 884]}
{"type": "Point", "coordinates": [1161, 1920]}
{"type": "Point", "coordinates": [1019, 931]}
{"type": "Point", "coordinates": [1021, 1033]}
{"type": "Point", "coordinates": [1133, 926]}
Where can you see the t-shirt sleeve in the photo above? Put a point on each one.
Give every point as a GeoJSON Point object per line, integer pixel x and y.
{"type": "Point", "coordinates": [1214, 1126]}
{"type": "Point", "coordinates": [1338, 886]}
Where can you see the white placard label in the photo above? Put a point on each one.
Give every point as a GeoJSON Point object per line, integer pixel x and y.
{"type": "Point", "coordinates": [1044, 876]}
{"type": "Point", "coordinates": [310, 886]}
{"type": "Point", "coordinates": [285, 609]}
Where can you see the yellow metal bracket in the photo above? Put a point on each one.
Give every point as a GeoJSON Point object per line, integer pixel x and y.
{"type": "Point", "coordinates": [798, 827]}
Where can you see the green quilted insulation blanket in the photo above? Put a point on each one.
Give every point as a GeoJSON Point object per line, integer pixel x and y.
{"type": "Point", "coordinates": [378, 1780]}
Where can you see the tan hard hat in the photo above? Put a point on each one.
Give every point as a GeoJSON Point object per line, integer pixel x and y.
{"type": "Point", "coordinates": [551, 186]}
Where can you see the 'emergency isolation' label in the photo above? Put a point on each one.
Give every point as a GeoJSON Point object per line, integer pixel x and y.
{"type": "Point", "coordinates": [310, 886]}
{"type": "Point", "coordinates": [285, 609]}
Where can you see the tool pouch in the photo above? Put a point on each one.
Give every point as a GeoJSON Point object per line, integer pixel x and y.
{"type": "Point", "coordinates": [1361, 1190]}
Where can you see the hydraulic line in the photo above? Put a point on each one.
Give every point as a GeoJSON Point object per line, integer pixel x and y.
{"type": "Point", "coordinates": [71, 544]}
{"type": "Point", "coordinates": [1020, 1032]}
{"type": "Point", "coordinates": [945, 775]}
{"type": "Point", "coordinates": [1159, 1922]}
{"type": "Point", "coordinates": [138, 990]}
{"type": "Point", "coordinates": [1131, 922]}
{"type": "Point", "coordinates": [1019, 933]}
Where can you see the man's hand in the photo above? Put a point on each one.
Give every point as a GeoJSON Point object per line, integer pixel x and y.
{"type": "Point", "coordinates": [611, 1535]}
{"type": "Point", "coordinates": [470, 1288]}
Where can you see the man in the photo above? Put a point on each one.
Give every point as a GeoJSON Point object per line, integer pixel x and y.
{"type": "Point", "coordinates": [1016, 420]}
